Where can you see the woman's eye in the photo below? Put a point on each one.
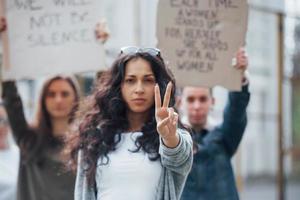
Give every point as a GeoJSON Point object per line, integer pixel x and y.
{"type": "Point", "coordinates": [50, 94]}
{"type": "Point", "coordinates": [129, 80]}
{"type": "Point", "coordinates": [150, 80]}
{"type": "Point", "coordinates": [65, 94]}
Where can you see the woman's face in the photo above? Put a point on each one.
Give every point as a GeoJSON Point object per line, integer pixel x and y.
{"type": "Point", "coordinates": [60, 98]}
{"type": "Point", "coordinates": [138, 86]}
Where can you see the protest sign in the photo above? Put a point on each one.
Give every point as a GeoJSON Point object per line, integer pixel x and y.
{"type": "Point", "coordinates": [46, 37]}
{"type": "Point", "coordinates": [199, 38]}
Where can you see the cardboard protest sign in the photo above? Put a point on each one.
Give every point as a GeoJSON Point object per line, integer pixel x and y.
{"type": "Point", "coordinates": [199, 38]}
{"type": "Point", "coordinates": [46, 37]}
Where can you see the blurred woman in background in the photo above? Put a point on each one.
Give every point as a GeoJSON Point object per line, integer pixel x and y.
{"type": "Point", "coordinates": [41, 172]}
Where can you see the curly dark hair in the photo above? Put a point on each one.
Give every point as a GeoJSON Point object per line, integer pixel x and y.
{"type": "Point", "coordinates": [104, 118]}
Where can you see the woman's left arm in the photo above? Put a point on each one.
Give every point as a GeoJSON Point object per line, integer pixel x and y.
{"type": "Point", "coordinates": [180, 158]}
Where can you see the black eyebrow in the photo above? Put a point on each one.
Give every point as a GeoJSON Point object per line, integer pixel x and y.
{"type": "Point", "coordinates": [147, 75]}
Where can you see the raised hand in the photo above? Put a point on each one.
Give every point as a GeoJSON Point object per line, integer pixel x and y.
{"type": "Point", "coordinates": [166, 118]}
{"type": "Point", "coordinates": [241, 59]}
{"type": "Point", "coordinates": [101, 31]}
{"type": "Point", "coordinates": [240, 62]}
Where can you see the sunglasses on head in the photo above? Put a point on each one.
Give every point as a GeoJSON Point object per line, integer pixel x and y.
{"type": "Point", "coordinates": [133, 50]}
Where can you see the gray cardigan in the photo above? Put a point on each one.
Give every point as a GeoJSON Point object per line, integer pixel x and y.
{"type": "Point", "coordinates": [176, 162]}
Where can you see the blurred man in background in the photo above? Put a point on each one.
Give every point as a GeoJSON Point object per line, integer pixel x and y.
{"type": "Point", "coordinates": [212, 177]}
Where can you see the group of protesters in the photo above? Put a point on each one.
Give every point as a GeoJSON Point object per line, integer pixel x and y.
{"type": "Point", "coordinates": [126, 139]}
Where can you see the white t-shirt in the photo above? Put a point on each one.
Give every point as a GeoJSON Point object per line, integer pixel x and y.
{"type": "Point", "coordinates": [128, 175]}
{"type": "Point", "coordinates": [9, 165]}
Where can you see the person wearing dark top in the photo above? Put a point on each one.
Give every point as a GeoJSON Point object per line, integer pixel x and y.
{"type": "Point", "coordinates": [42, 170]}
{"type": "Point", "coordinates": [212, 177]}
{"type": "Point", "coordinates": [42, 173]}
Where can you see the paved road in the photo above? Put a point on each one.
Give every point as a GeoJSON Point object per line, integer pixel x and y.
{"type": "Point", "coordinates": [267, 191]}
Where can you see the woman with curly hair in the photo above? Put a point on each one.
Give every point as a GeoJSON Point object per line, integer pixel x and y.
{"type": "Point", "coordinates": [130, 143]}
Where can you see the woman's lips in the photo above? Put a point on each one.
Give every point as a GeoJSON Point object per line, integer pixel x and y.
{"type": "Point", "coordinates": [139, 100]}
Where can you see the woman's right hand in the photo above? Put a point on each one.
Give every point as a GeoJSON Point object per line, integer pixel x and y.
{"type": "Point", "coordinates": [101, 31]}
{"type": "Point", "coordinates": [166, 117]}
{"type": "Point", "coordinates": [3, 24]}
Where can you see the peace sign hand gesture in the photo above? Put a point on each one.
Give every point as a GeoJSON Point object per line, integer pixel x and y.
{"type": "Point", "coordinates": [166, 118]}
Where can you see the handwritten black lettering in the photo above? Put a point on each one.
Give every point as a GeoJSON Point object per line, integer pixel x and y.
{"type": "Point", "coordinates": [190, 22]}
{"type": "Point", "coordinates": [211, 56]}
{"type": "Point", "coordinates": [189, 43]}
{"type": "Point", "coordinates": [201, 34]}
{"type": "Point", "coordinates": [187, 3]}
{"type": "Point", "coordinates": [215, 45]}
{"type": "Point", "coordinates": [180, 52]}
{"type": "Point", "coordinates": [71, 2]}
{"type": "Point", "coordinates": [195, 53]}
{"type": "Point", "coordinates": [173, 32]}
{"type": "Point", "coordinates": [197, 13]}
{"type": "Point", "coordinates": [79, 17]}
{"type": "Point", "coordinates": [57, 38]}
{"type": "Point", "coordinates": [27, 5]}
{"type": "Point", "coordinates": [222, 4]}
{"type": "Point", "coordinates": [198, 66]}
{"type": "Point", "coordinates": [211, 24]}
{"type": "Point", "coordinates": [46, 20]}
